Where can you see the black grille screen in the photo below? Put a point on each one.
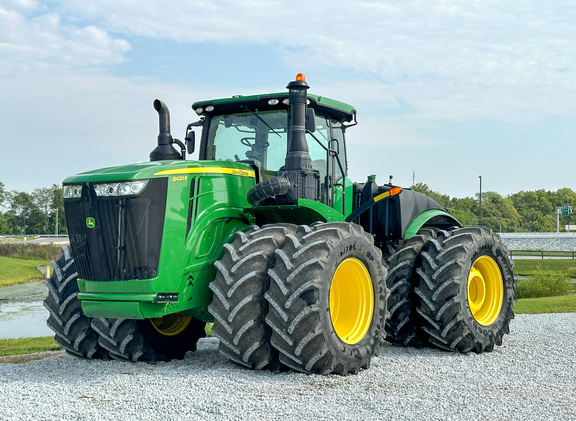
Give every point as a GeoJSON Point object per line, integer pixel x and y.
{"type": "Point", "coordinates": [124, 242]}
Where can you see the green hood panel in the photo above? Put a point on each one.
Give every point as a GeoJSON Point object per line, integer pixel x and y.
{"type": "Point", "coordinates": [160, 169]}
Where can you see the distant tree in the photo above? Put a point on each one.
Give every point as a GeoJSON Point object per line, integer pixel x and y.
{"type": "Point", "coordinates": [536, 210]}
{"type": "Point", "coordinates": [463, 209]}
{"type": "Point", "coordinates": [21, 207]}
{"type": "Point", "coordinates": [2, 194]}
{"type": "Point", "coordinates": [561, 197]}
{"type": "Point", "coordinates": [442, 199]}
{"type": "Point", "coordinates": [499, 213]}
{"type": "Point", "coordinates": [3, 226]}
{"type": "Point", "coordinates": [51, 204]}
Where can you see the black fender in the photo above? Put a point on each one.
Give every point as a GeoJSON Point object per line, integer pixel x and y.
{"type": "Point", "coordinates": [417, 210]}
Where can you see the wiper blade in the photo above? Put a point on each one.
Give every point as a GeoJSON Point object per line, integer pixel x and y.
{"type": "Point", "coordinates": [262, 120]}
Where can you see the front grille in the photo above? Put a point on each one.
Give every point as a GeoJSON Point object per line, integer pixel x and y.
{"type": "Point", "coordinates": [125, 241]}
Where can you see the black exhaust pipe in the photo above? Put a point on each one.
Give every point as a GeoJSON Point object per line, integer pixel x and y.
{"type": "Point", "coordinates": [164, 150]}
{"type": "Point", "coordinates": [297, 157]}
{"type": "Point", "coordinates": [304, 181]}
{"type": "Point", "coordinates": [296, 179]}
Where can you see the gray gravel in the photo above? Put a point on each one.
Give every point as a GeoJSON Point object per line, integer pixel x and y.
{"type": "Point", "coordinates": [532, 376]}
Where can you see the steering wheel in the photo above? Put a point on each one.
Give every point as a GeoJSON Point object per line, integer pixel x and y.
{"type": "Point", "coordinates": [246, 141]}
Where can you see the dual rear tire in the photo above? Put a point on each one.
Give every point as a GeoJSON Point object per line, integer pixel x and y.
{"type": "Point", "coordinates": [317, 300]}
{"type": "Point", "coordinates": [452, 290]}
{"type": "Point", "coordinates": [466, 290]}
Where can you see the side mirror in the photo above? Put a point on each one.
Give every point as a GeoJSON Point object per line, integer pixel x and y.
{"type": "Point", "coordinates": [190, 141]}
{"type": "Point", "coordinates": [310, 120]}
{"type": "Point", "coordinates": [190, 138]}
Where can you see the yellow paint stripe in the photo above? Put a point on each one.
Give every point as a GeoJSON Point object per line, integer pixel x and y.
{"type": "Point", "coordinates": [209, 170]}
{"type": "Point", "coordinates": [381, 196]}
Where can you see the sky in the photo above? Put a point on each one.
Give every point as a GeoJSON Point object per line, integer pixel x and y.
{"type": "Point", "coordinates": [446, 91]}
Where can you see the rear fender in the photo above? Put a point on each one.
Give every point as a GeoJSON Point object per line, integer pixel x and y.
{"type": "Point", "coordinates": [430, 218]}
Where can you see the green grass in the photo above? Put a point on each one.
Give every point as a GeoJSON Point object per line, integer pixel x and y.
{"type": "Point", "coordinates": [545, 253]}
{"type": "Point", "coordinates": [18, 271]}
{"type": "Point", "coordinates": [527, 267]}
{"type": "Point", "coordinates": [561, 304]}
{"type": "Point", "coordinates": [27, 345]}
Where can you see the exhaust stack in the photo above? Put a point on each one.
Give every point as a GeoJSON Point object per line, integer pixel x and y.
{"type": "Point", "coordinates": [304, 181]}
{"type": "Point", "coordinates": [164, 150]}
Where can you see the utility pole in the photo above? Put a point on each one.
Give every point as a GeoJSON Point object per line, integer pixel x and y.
{"type": "Point", "coordinates": [56, 221]}
{"type": "Point", "coordinates": [480, 207]}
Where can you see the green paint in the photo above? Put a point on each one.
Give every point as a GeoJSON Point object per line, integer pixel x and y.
{"type": "Point", "coordinates": [424, 217]}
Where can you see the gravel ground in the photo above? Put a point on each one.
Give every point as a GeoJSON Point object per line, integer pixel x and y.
{"type": "Point", "coordinates": [531, 377]}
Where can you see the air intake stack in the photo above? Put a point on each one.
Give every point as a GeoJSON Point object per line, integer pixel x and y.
{"type": "Point", "coordinates": [304, 181]}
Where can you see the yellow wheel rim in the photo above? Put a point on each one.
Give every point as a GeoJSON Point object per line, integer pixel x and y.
{"type": "Point", "coordinates": [351, 301]}
{"type": "Point", "coordinates": [171, 325]}
{"type": "Point", "coordinates": [485, 290]}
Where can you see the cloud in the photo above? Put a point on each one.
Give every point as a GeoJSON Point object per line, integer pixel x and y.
{"type": "Point", "coordinates": [447, 60]}
{"type": "Point", "coordinates": [42, 40]}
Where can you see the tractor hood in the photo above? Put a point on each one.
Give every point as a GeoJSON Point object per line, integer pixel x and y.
{"type": "Point", "coordinates": [143, 170]}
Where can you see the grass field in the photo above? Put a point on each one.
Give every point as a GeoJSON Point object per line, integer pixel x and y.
{"type": "Point", "coordinates": [19, 271]}
{"type": "Point", "coordinates": [27, 346]}
{"type": "Point", "coordinates": [527, 267]}
{"type": "Point", "coordinates": [561, 304]}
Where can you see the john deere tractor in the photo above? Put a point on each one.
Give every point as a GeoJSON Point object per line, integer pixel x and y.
{"type": "Point", "coordinates": [267, 238]}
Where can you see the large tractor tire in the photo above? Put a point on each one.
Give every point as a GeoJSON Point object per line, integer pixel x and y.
{"type": "Point", "coordinates": [402, 326]}
{"type": "Point", "coordinates": [466, 292]}
{"type": "Point", "coordinates": [71, 327]}
{"type": "Point", "coordinates": [327, 299]}
{"type": "Point", "coordinates": [239, 307]}
{"type": "Point", "coordinates": [149, 340]}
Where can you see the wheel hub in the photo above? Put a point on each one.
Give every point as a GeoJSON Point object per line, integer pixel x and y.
{"type": "Point", "coordinates": [171, 324]}
{"type": "Point", "coordinates": [351, 301]}
{"type": "Point", "coordinates": [485, 290]}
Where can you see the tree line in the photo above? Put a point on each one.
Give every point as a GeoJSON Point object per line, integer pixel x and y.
{"type": "Point", "coordinates": [525, 211]}
{"type": "Point", "coordinates": [42, 211]}
{"type": "Point", "coordinates": [39, 212]}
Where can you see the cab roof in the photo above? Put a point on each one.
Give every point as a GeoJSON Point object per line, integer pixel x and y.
{"type": "Point", "coordinates": [237, 104]}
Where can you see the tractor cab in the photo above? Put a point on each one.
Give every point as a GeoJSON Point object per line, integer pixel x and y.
{"type": "Point", "coordinates": [256, 130]}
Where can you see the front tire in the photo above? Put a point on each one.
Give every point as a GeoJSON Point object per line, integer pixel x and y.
{"type": "Point", "coordinates": [150, 340]}
{"type": "Point", "coordinates": [466, 292]}
{"type": "Point", "coordinates": [327, 299]}
{"type": "Point", "coordinates": [72, 328]}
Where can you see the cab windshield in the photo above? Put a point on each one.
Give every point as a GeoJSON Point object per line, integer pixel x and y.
{"type": "Point", "coordinates": [262, 137]}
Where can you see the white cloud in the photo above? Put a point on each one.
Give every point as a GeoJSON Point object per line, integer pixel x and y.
{"type": "Point", "coordinates": [42, 40]}
{"type": "Point", "coordinates": [457, 60]}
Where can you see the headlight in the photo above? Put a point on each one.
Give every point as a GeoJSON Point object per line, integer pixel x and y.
{"type": "Point", "coordinates": [127, 188]}
{"type": "Point", "coordinates": [73, 191]}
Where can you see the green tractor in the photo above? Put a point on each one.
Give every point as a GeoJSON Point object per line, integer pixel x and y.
{"type": "Point", "coordinates": [267, 238]}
